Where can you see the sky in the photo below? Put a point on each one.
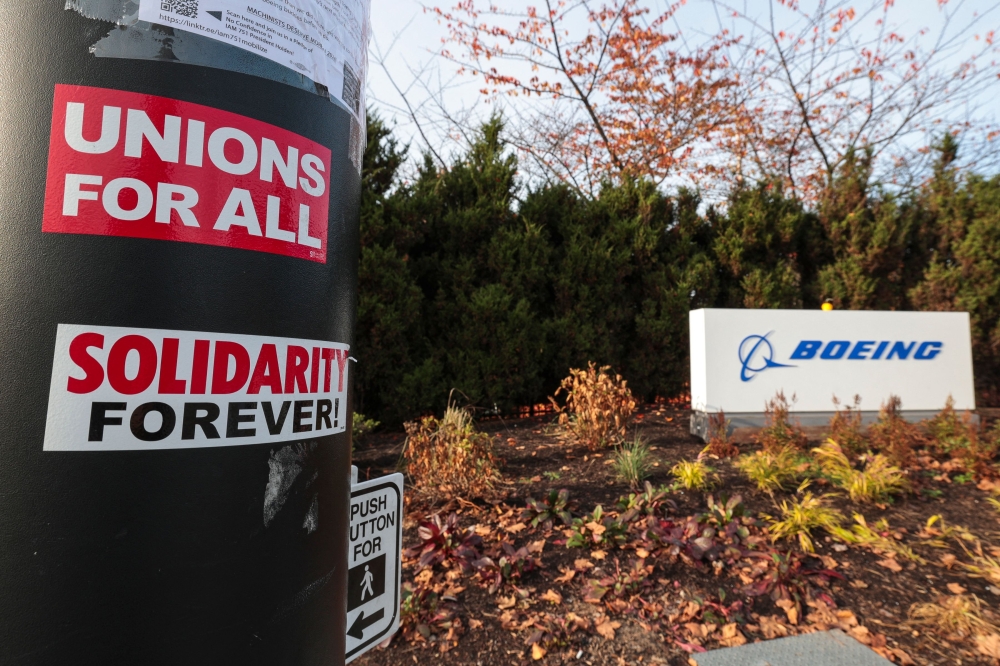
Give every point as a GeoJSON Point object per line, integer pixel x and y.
{"type": "Point", "coordinates": [406, 72]}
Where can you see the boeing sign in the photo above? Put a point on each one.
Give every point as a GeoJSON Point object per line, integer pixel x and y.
{"type": "Point", "coordinates": [741, 358]}
{"type": "Point", "coordinates": [757, 353]}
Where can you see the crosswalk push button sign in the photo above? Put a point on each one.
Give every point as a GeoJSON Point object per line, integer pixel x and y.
{"type": "Point", "coordinates": [373, 577]}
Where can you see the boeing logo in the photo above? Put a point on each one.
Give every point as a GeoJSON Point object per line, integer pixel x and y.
{"type": "Point", "coordinates": [757, 354]}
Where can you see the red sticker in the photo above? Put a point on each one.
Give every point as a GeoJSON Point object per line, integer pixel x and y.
{"type": "Point", "coordinates": [142, 166]}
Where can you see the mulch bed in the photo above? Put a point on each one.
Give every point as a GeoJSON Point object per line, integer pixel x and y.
{"type": "Point", "coordinates": [660, 624]}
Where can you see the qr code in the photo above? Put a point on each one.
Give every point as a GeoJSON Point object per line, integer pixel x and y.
{"type": "Point", "coordinates": [188, 8]}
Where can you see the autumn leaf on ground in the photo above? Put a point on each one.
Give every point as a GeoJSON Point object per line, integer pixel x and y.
{"type": "Point", "coordinates": [790, 609]}
{"type": "Point", "coordinates": [595, 593]}
{"type": "Point", "coordinates": [732, 636]}
{"type": "Point", "coordinates": [596, 528]}
{"type": "Point", "coordinates": [537, 652]}
{"type": "Point", "coordinates": [552, 596]}
{"type": "Point", "coordinates": [567, 575]}
{"type": "Point", "coordinates": [948, 560]}
{"type": "Point", "coordinates": [607, 628]}
{"type": "Point", "coordinates": [861, 634]}
{"type": "Point", "coordinates": [582, 565]}
{"type": "Point", "coordinates": [475, 624]}
{"type": "Point", "coordinates": [642, 553]}
{"type": "Point", "coordinates": [859, 584]}
{"type": "Point", "coordinates": [955, 588]}
{"type": "Point", "coordinates": [515, 528]}
{"type": "Point", "coordinates": [770, 627]}
{"type": "Point", "coordinates": [699, 630]}
{"type": "Point", "coordinates": [903, 657]}
{"type": "Point", "coordinates": [829, 562]}
{"type": "Point", "coordinates": [989, 645]}
{"type": "Point", "coordinates": [598, 554]}
{"type": "Point", "coordinates": [504, 603]}
{"type": "Point", "coordinates": [890, 564]}
{"type": "Point", "coordinates": [536, 546]}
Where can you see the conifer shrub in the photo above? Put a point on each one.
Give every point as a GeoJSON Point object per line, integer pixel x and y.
{"type": "Point", "coordinates": [449, 457]}
{"type": "Point", "coordinates": [599, 406]}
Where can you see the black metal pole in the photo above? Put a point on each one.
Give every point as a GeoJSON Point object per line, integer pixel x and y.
{"type": "Point", "coordinates": [129, 534]}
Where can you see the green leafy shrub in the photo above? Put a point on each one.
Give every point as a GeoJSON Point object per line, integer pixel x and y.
{"type": "Point", "coordinates": [596, 530]}
{"type": "Point", "coordinates": [554, 506]}
{"type": "Point", "coordinates": [361, 426]}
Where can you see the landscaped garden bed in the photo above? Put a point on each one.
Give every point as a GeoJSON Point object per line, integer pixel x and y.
{"type": "Point", "coordinates": [572, 551]}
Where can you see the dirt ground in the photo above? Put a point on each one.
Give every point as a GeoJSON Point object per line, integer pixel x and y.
{"type": "Point", "coordinates": [659, 621]}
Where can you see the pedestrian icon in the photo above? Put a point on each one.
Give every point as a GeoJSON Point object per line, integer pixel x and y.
{"type": "Point", "coordinates": [365, 582]}
{"type": "Point", "coordinates": [367, 585]}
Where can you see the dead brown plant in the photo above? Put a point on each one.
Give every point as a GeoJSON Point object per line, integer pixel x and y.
{"type": "Point", "coordinates": [960, 438]}
{"type": "Point", "coordinates": [448, 458]}
{"type": "Point", "coordinates": [599, 406]}
{"type": "Point", "coordinates": [719, 444]}
{"type": "Point", "coordinates": [845, 426]}
{"type": "Point", "coordinates": [957, 616]}
{"type": "Point", "coordinates": [779, 432]}
{"type": "Point", "coordinates": [893, 435]}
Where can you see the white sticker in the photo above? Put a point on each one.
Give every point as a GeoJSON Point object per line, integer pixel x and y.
{"type": "Point", "coordinates": [128, 389]}
{"type": "Point", "coordinates": [325, 40]}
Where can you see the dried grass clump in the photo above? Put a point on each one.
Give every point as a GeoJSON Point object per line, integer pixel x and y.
{"type": "Point", "coordinates": [877, 482]}
{"type": "Point", "coordinates": [449, 457]}
{"type": "Point", "coordinates": [599, 406]}
{"type": "Point", "coordinates": [983, 566]}
{"type": "Point", "coordinates": [960, 615]}
{"type": "Point", "coordinates": [893, 435]}
{"type": "Point", "coordinates": [779, 432]}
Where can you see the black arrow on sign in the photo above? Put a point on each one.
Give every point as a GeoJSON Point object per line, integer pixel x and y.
{"type": "Point", "coordinates": [359, 625]}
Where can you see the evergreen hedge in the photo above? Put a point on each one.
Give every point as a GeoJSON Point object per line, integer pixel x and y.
{"type": "Point", "coordinates": [469, 281]}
